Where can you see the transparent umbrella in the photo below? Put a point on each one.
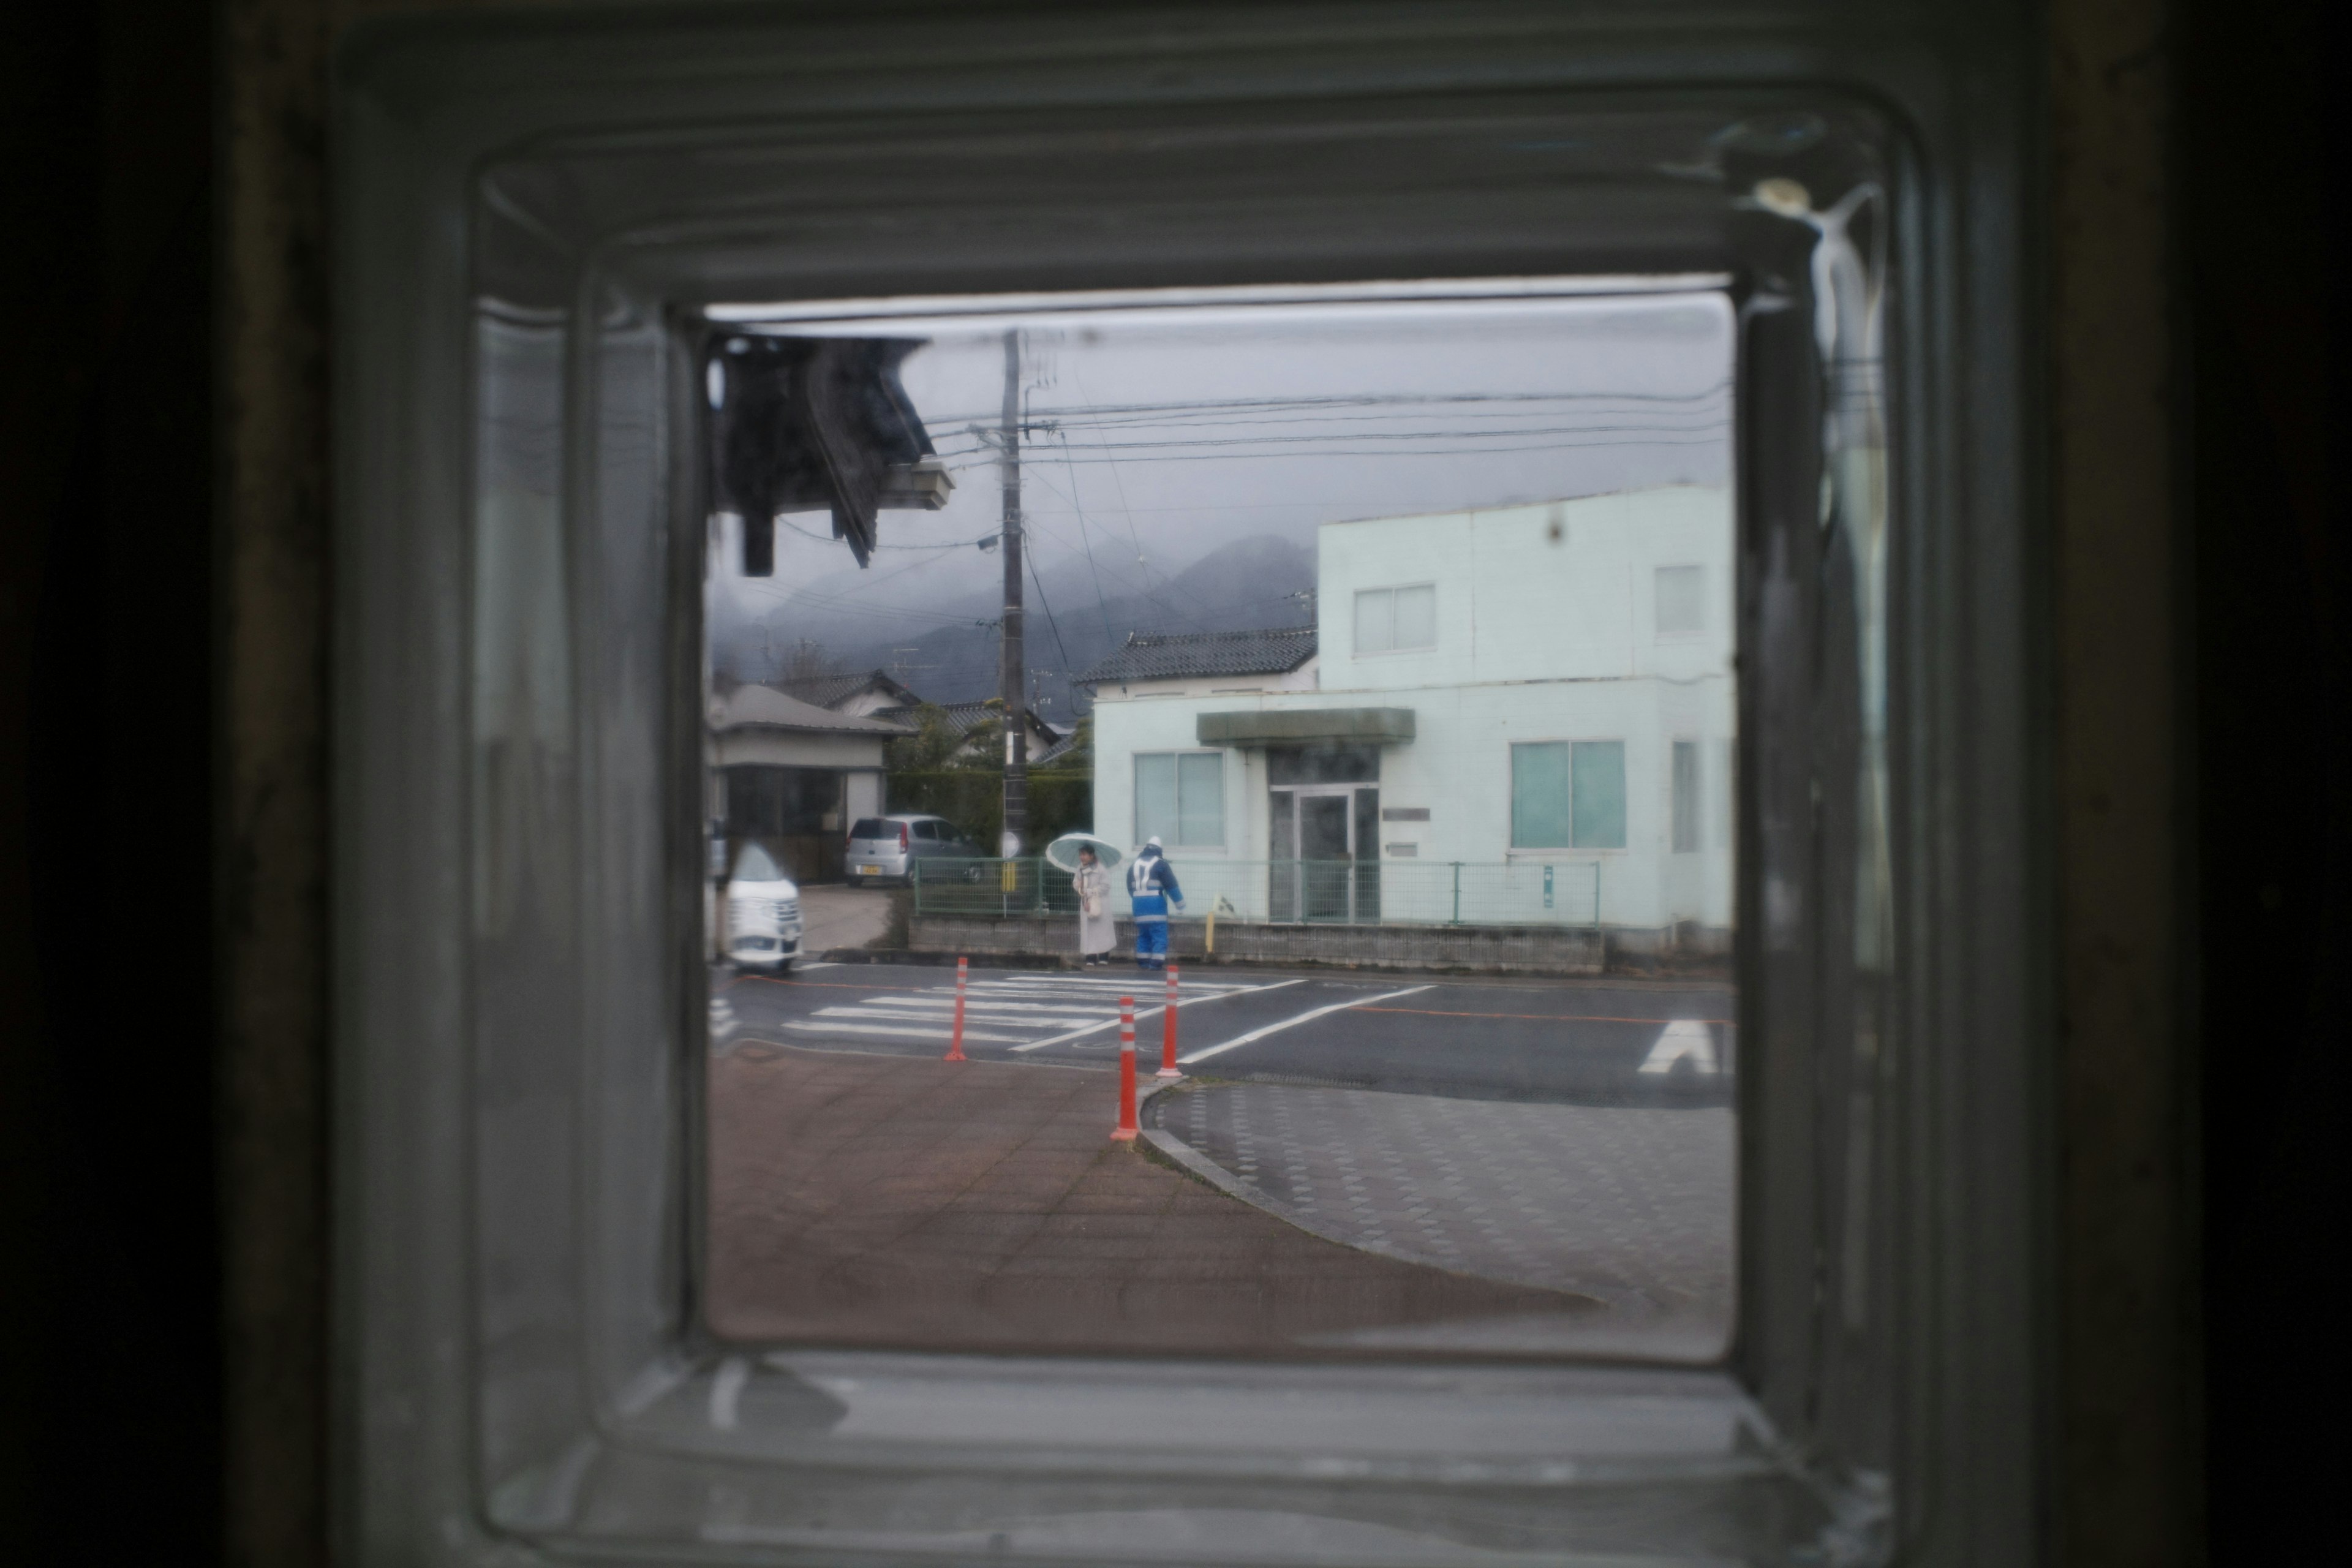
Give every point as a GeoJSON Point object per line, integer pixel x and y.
{"type": "Point", "coordinates": [1064, 851]}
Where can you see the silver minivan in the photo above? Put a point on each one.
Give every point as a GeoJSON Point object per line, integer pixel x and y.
{"type": "Point", "coordinates": [885, 848]}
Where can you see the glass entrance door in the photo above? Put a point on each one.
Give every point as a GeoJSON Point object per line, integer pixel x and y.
{"type": "Point", "coordinates": [1325, 845]}
{"type": "Point", "coordinates": [1327, 855]}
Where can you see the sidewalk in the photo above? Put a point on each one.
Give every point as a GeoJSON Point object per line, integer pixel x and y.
{"type": "Point", "coordinates": [1633, 1206]}
{"type": "Point", "coordinates": [906, 1202]}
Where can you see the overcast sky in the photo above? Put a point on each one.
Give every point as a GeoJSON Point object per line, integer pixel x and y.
{"type": "Point", "coordinates": [1154, 437]}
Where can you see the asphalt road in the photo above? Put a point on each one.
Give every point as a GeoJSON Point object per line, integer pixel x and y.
{"type": "Point", "coordinates": [1567, 1041]}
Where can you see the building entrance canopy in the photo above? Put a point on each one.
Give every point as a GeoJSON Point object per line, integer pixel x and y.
{"type": "Point", "coordinates": [1287, 727]}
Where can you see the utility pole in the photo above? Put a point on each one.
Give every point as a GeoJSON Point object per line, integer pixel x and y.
{"type": "Point", "coordinates": [1011, 684]}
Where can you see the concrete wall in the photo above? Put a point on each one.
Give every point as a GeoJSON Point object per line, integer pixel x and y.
{"type": "Point", "coordinates": [1495, 950]}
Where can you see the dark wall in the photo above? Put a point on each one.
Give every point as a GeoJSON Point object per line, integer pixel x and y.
{"type": "Point", "coordinates": [109, 1323]}
{"type": "Point", "coordinates": [2257, 144]}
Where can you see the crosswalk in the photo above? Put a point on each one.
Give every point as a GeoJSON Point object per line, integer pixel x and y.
{"type": "Point", "coordinates": [1025, 1011]}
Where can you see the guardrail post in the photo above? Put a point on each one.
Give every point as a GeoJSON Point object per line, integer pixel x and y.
{"type": "Point", "coordinates": [1457, 893]}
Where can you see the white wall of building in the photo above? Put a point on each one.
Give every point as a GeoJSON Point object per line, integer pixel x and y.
{"type": "Point", "coordinates": [1545, 629]}
{"type": "Point", "coordinates": [758, 746]}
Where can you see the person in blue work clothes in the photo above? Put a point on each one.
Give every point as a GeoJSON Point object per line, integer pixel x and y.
{"type": "Point", "coordinates": [1152, 885]}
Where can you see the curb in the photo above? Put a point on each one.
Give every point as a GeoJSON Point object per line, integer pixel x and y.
{"type": "Point", "coordinates": [1232, 1186]}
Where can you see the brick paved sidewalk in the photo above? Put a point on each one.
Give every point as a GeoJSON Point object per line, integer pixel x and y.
{"type": "Point", "coordinates": [876, 1200]}
{"type": "Point", "coordinates": [1633, 1206]}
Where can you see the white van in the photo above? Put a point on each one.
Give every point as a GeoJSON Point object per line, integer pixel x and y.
{"type": "Point", "coordinates": [763, 913]}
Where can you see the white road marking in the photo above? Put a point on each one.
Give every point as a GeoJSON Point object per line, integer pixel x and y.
{"type": "Point", "coordinates": [924, 1015]}
{"type": "Point", "coordinates": [1009, 1012]}
{"type": "Point", "coordinates": [1154, 1012]}
{"type": "Point", "coordinates": [1312, 1014]}
{"type": "Point", "coordinates": [725, 1389]}
{"type": "Point", "coordinates": [903, 1031]}
{"type": "Point", "coordinates": [815, 963]}
{"type": "Point", "coordinates": [1118, 988]}
{"type": "Point", "coordinates": [1684, 1038]}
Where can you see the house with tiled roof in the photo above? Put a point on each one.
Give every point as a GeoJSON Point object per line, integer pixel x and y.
{"type": "Point", "coordinates": [790, 775]}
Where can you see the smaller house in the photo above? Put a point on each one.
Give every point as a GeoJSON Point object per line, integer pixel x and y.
{"type": "Point", "coordinates": [860, 696]}
{"type": "Point", "coordinates": [964, 719]}
{"type": "Point", "coordinates": [792, 776]}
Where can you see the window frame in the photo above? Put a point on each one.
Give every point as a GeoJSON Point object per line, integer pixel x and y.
{"type": "Point", "coordinates": [1356, 621]}
{"type": "Point", "coordinates": [1658, 632]}
{"type": "Point", "coordinates": [1685, 808]}
{"type": "Point", "coordinates": [432, 114]}
{"type": "Point", "coordinates": [1175, 756]}
{"type": "Point", "coordinates": [1516, 851]}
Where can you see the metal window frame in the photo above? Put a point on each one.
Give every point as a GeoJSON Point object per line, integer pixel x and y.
{"type": "Point", "coordinates": [479, 1419]}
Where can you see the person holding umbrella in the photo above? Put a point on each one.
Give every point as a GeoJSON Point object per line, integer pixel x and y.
{"type": "Point", "coordinates": [1096, 932]}
{"type": "Point", "coordinates": [1088, 860]}
{"type": "Point", "coordinates": [1152, 884]}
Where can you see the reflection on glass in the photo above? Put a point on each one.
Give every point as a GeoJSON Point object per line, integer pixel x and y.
{"type": "Point", "coordinates": [1380, 657]}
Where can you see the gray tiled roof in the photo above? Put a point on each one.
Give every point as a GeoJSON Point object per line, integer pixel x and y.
{"type": "Point", "coordinates": [1276, 650]}
{"type": "Point", "coordinates": [827, 690]}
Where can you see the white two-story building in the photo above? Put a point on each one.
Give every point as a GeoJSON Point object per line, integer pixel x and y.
{"type": "Point", "coordinates": [1519, 715]}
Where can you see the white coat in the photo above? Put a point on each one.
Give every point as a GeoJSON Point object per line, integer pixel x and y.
{"type": "Point", "coordinates": [1096, 932]}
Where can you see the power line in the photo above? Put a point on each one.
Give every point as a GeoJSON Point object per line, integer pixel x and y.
{"type": "Point", "coordinates": [1047, 605]}
{"type": "Point", "coordinates": [1191, 454]}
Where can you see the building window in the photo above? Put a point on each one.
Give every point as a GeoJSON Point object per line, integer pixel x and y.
{"type": "Point", "coordinates": [1568, 794]}
{"type": "Point", "coordinates": [1395, 620]}
{"type": "Point", "coordinates": [1681, 600]}
{"type": "Point", "coordinates": [1179, 799]}
{"type": "Point", "coordinates": [1685, 797]}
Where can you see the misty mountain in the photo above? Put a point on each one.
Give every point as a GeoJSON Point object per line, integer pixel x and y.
{"type": "Point", "coordinates": [1248, 583]}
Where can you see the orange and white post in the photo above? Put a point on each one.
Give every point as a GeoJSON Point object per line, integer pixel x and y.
{"type": "Point", "coordinates": [1167, 1029]}
{"type": "Point", "coordinates": [955, 1040]}
{"type": "Point", "coordinates": [1125, 1131]}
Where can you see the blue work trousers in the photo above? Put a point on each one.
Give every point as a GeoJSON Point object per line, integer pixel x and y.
{"type": "Point", "coordinates": [1151, 932]}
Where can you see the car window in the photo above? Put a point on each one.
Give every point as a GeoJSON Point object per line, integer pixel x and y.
{"type": "Point", "coordinates": [867, 828]}
{"type": "Point", "coordinates": [926, 830]}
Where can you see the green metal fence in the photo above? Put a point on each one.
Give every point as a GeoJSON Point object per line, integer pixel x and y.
{"type": "Point", "coordinates": [1319, 892]}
